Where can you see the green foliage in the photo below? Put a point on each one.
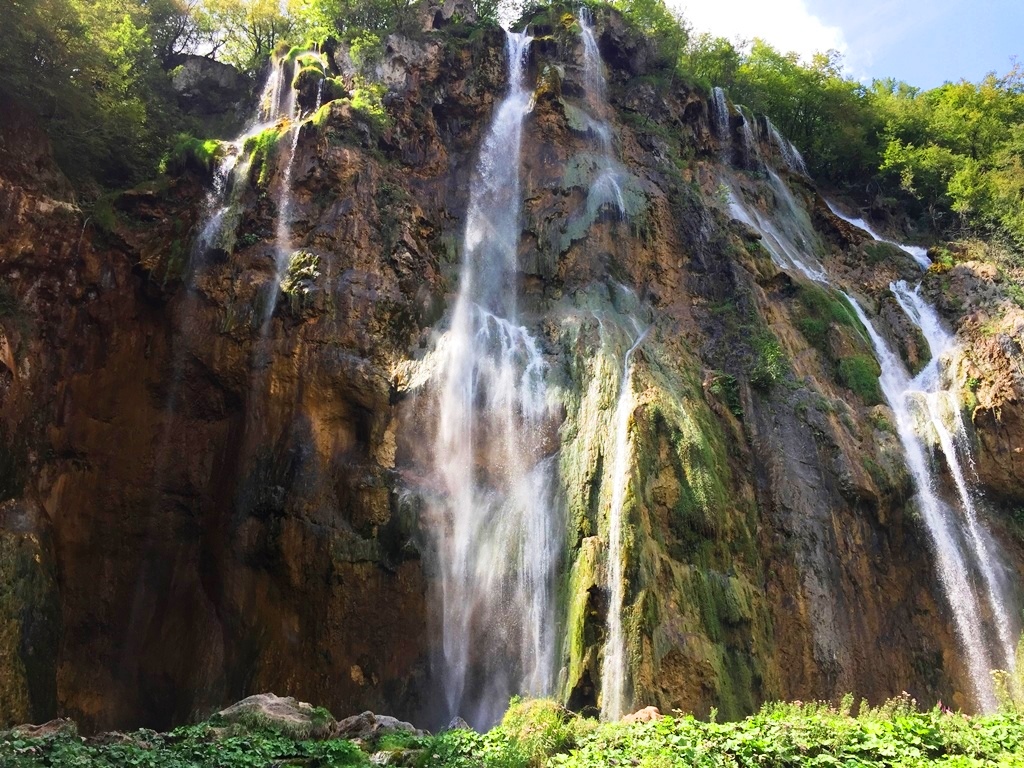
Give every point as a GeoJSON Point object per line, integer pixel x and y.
{"type": "Point", "coordinates": [1009, 684]}
{"type": "Point", "coordinates": [368, 98]}
{"type": "Point", "coordinates": [725, 387]}
{"type": "Point", "coordinates": [859, 373]}
{"type": "Point", "coordinates": [364, 49]}
{"type": "Point", "coordinates": [541, 733]}
{"type": "Point", "coordinates": [769, 363]}
{"type": "Point", "coordinates": [187, 747]}
{"type": "Point", "coordinates": [665, 27]}
{"type": "Point", "coordinates": [261, 148]}
{"type": "Point", "coordinates": [190, 153]}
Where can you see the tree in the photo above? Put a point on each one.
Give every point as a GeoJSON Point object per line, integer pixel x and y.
{"type": "Point", "coordinates": [247, 31]}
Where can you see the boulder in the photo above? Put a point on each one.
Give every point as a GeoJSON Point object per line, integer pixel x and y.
{"type": "Point", "coordinates": [61, 726]}
{"type": "Point", "coordinates": [645, 715]}
{"type": "Point", "coordinates": [370, 727]}
{"type": "Point", "coordinates": [283, 713]}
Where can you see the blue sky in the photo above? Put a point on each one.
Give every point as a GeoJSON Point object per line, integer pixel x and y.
{"type": "Point", "coordinates": [924, 42]}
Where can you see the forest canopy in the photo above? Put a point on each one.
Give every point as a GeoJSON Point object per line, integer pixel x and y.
{"type": "Point", "coordinates": [97, 72]}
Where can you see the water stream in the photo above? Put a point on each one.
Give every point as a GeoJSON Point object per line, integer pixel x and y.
{"type": "Point", "coordinates": [919, 254]}
{"type": "Point", "coordinates": [607, 185]}
{"type": "Point", "coordinates": [613, 669]}
{"type": "Point", "coordinates": [940, 521]}
{"type": "Point", "coordinates": [494, 530]}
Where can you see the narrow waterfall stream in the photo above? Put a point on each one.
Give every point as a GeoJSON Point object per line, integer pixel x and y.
{"type": "Point", "coordinates": [494, 526]}
{"type": "Point", "coordinates": [937, 409]}
{"type": "Point", "coordinates": [613, 668]}
{"type": "Point", "coordinates": [607, 187]}
{"type": "Point", "coordinates": [940, 406]}
{"type": "Point", "coordinates": [919, 254]}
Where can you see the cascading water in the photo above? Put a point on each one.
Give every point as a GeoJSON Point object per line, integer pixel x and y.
{"type": "Point", "coordinates": [963, 548]}
{"type": "Point", "coordinates": [939, 518]}
{"type": "Point", "coordinates": [919, 254]}
{"type": "Point", "coordinates": [606, 186]}
{"type": "Point", "coordinates": [938, 411]}
{"type": "Point", "coordinates": [613, 668]}
{"type": "Point", "coordinates": [783, 251]}
{"type": "Point", "coordinates": [493, 527]}
{"type": "Point", "coordinates": [941, 410]}
{"type": "Point", "coordinates": [787, 150]}
{"type": "Point", "coordinates": [720, 115]}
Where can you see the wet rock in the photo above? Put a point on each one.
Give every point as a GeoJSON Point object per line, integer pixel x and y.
{"type": "Point", "coordinates": [370, 727]}
{"type": "Point", "coordinates": [458, 724]}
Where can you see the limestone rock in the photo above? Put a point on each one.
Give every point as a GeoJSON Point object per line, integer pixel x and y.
{"type": "Point", "coordinates": [645, 715]}
{"type": "Point", "coordinates": [280, 712]}
{"type": "Point", "coordinates": [370, 727]}
{"type": "Point", "coordinates": [207, 87]}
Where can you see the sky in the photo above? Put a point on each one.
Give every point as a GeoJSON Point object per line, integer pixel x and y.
{"type": "Point", "coordinates": [924, 42]}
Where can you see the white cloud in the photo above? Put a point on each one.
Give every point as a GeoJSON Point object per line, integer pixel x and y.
{"type": "Point", "coordinates": [786, 24]}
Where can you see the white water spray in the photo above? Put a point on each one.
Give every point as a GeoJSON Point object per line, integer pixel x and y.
{"type": "Point", "coordinates": [613, 669]}
{"type": "Point", "coordinates": [493, 527]}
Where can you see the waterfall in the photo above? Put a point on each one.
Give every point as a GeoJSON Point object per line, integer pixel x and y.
{"type": "Point", "coordinates": [493, 525]}
{"type": "Point", "coordinates": [938, 408]}
{"type": "Point", "coordinates": [784, 252]}
{"type": "Point", "coordinates": [790, 155]}
{"type": "Point", "coordinates": [606, 187]}
{"type": "Point", "coordinates": [902, 394]}
{"type": "Point", "coordinates": [919, 254]}
{"type": "Point", "coordinates": [963, 549]}
{"type": "Point", "coordinates": [751, 152]}
{"type": "Point", "coordinates": [941, 410]}
{"type": "Point", "coordinates": [284, 106]}
{"type": "Point", "coordinates": [720, 115]}
{"type": "Point", "coordinates": [613, 668]}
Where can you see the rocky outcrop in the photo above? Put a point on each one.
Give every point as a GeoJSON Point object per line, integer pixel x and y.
{"type": "Point", "coordinates": [208, 505]}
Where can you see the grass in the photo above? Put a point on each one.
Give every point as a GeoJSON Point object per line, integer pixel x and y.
{"type": "Point", "coordinates": [536, 733]}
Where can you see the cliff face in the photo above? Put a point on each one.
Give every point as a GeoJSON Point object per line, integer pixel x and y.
{"type": "Point", "coordinates": [198, 508]}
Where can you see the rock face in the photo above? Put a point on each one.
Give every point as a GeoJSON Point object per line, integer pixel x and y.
{"type": "Point", "coordinates": [202, 505]}
{"type": "Point", "coordinates": [211, 90]}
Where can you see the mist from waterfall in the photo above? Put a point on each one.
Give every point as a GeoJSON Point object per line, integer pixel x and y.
{"type": "Point", "coordinates": [614, 694]}
{"type": "Point", "coordinates": [494, 530]}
